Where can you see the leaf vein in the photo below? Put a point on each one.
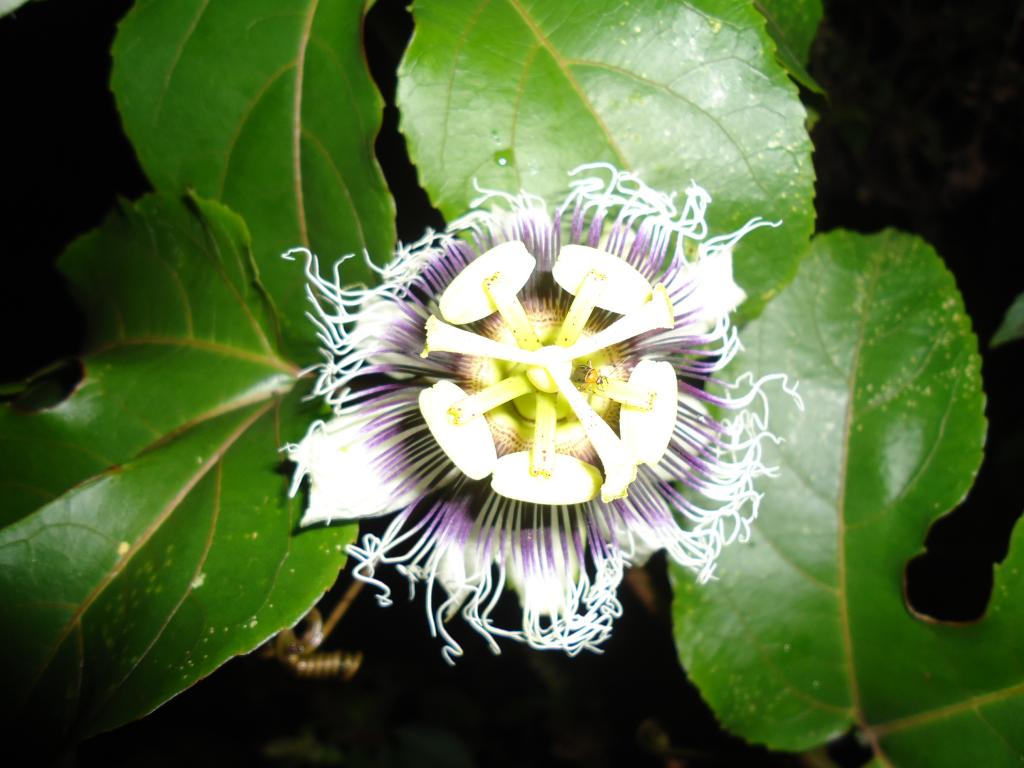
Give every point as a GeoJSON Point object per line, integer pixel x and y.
{"type": "Point", "coordinates": [214, 518]}
{"type": "Point", "coordinates": [300, 71]}
{"type": "Point", "coordinates": [177, 59]}
{"type": "Point", "coordinates": [741, 152]}
{"type": "Point", "coordinates": [246, 115]}
{"type": "Point", "coordinates": [570, 78]}
{"type": "Point", "coordinates": [342, 184]}
{"type": "Point", "coordinates": [147, 534]}
{"type": "Point", "coordinates": [208, 346]}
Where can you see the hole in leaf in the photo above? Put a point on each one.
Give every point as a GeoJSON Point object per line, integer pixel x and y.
{"type": "Point", "coordinates": [939, 589]}
{"type": "Point", "coordinates": [850, 750]}
{"type": "Point", "coordinates": [47, 388]}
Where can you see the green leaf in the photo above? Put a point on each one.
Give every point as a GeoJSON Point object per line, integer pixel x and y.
{"type": "Point", "coordinates": [1012, 327]}
{"type": "Point", "coordinates": [268, 106]}
{"type": "Point", "coordinates": [146, 578]}
{"type": "Point", "coordinates": [516, 93]}
{"type": "Point", "coordinates": [178, 333]}
{"type": "Point", "coordinates": [807, 631]}
{"type": "Point", "coordinates": [166, 543]}
{"type": "Point", "coordinates": [793, 25]}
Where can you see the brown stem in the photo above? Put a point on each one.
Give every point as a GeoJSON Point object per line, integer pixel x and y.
{"type": "Point", "coordinates": [341, 608]}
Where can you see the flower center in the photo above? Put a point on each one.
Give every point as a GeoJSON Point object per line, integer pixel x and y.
{"type": "Point", "coordinates": [550, 391]}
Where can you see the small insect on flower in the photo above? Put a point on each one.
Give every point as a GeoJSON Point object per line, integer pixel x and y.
{"type": "Point", "coordinates": [525, 393]}
{"type": "Point", "coordinates": [588, 378]}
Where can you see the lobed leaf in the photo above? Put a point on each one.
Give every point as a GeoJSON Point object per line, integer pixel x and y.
{"type": "Point", "coordinates": [807, 631]}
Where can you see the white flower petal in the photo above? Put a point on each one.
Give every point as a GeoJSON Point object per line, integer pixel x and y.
{"type": "Point", "coordinates": [627, 289]}
{"type": "Point", "coordinates": [571, 481]}
{"type": "Point", "coordinates": [470, 444]}
{"type": "Point", "coordinates": [344, 483]}
{"type": "Point", "coordinates": [465, 300]}
{"type": "Point", "coordinates": [542, 594]}
{"type": "Point", "coordinates": [717, 294]}
{"type": "Point", "coordinates": [647, 431]}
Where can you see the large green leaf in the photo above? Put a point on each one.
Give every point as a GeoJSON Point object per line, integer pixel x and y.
{"type": "Point", "coordinates": [165, 542]}
{"type": "Point", "coordinates": [178, 332]}
{"type": "Point", "coordinates": [515, 93]}
{"type": "Point", "coordinates": [807, 632]}
{"type": "Point", "coordinates": [268, 106]}
{"type": "Point", "coordinates": [793, 25]}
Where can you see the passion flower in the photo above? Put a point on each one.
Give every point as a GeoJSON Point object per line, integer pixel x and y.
{"type": "Point", "coordinates": [526, 393]}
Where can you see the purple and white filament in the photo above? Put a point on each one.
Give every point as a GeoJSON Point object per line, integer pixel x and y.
{"type": "Point", "coordinates": [526, 393]}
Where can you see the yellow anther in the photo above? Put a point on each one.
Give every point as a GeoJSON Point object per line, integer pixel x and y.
{"type": "Point", "coordinates": [466, 301]}
{"type": "Point", "coordinates": [648, 431]}
{"type": "Point", "coordinates": [627, 290]}
{"type": "Point", "coordinates": [470, 446]}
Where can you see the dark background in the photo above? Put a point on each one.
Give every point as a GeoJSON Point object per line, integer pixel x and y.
{"type": "Point", "coordinates": [921, 130]}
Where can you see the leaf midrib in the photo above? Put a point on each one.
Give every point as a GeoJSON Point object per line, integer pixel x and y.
{"type": "Point", "coordinates": [189, 589]}
{"type": "Point", "coordinates": [147, 534]}
{"type": "Point", "coordinates": [203, 344]}
{"type": "Point", "coordinates": [844, 466]}
{"type": "Point", "coordinates": [563, 65]}
{"type": "Point", "coordinates": [300, 71]}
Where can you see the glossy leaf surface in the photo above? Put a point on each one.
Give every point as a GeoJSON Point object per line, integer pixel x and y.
{"type": "Point", "coordinates": [514, 94]}
{"type": "Point", "coordinates": [267, 106]}
{"type": "Point", "coordinates": [807, 632]}
{"type": "Point", "coordinates": [178, 332]}
{"type": "Point", "coordinates": [165, 543]}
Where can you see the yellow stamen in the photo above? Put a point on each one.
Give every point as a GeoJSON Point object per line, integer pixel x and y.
{"type": "Point", "coordinates": [630, 289]}
{"type": "Point", "coordinates": [626, 393]}
{"type": "Point", "coordinates": [466, 301]}
{"type": "Point", "coordinates": [470, 446]}
{"type": "Point", "coordinates": [511, 310]}
{"type": "Point", "coordinates": [471, 407]}
{"type": "Point", "coordinates": [656, 313]}
{"type": "Point", "coordinates": [619, 462]}
{"type": "Point", "coordinates": [444, 337]}
{"type": "Point", "coordinates": [583, 304]}
{"type": "Point", "coordinates": [542, 453]}
{"type": "Point", "coordinates": [648, 432]}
